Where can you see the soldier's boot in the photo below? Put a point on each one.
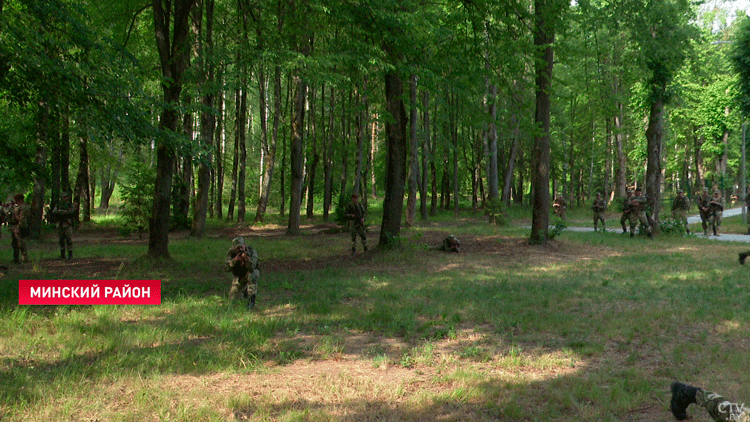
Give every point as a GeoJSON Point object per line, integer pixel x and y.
{"type": "Point", "coordinates": [687, 229]}
{"type": "Point", "coordinates": [251, 304]}
{"type": "Point", "coordinates": [62, 253]}
{"type": "Point", "coordinates": [624, 230]}
{"type": "Point", "coordinates": [70, 255]}
{"type": "Point", "coordinates": [742, 258]}
{"type": "Point", "coordinates": [364, 246]}
{"type": "Point", "coordinates": [715, 232]}
{"type": "Point", "coordinates": [682, 396]}
{"type": "Point", "coordinates": [354, 250]}
{"type": "Point", "coordinates": [705, 232]}
{"type": "Point", "coordinates": [15, 257]}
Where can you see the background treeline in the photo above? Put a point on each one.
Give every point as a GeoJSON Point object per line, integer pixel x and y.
{"type": "Point", "coordinates": [231, 109]}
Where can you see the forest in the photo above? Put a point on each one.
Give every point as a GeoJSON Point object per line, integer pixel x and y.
{"type": "Point", "coordinates": [231, 110]}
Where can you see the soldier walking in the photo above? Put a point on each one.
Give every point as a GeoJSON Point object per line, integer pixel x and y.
{"type": "Point", "coordinates": [638, 213]}
{"type": "Point", "coordinates": [355, 213]}
{"type": "Point", "coordinates": [626, 210]}
{"type": "Point", "coordinates": [19, 228]}
{"type": "Point", "coordinates": [242, 261]}
{"type": "Point", "coordinates": [680, 207]}
{"type": "Point", "coordinates": [65, 214]}
{"type": "Point", "coordinates": [703, 201]}
{"type": "Point", "coordinates": [560, 205]}
{"type": "Point", "coordinates": [599, 206]}
{"type": "Point", "coordinates": [715, 211]}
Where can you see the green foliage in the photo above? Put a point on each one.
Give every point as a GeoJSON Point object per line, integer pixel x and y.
{"type": "Point", "coordinates": [558, 225]}
{"type": "Point", "coordinates": [137, 198]}
{"type": "Point", "coordinates": [672, 226]}
{"type": "Point", "coordinates": [496, 212]}
{"type": "Point", "coordinates": [740, 58]}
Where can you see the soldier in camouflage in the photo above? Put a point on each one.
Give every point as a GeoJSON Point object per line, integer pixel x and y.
{"type": "Point", "coordinates": [638, 212]}
{"type": "Point", "coordinates": [680, 207]}
{"type": "Point", "coordinates": [242, 261]}
{"type": "Point", "coordinates": [355, 213]}
{"type": "Point", "coordinates": [19, 228]}
{"type": "Point", "coordinates": [560, 206]}
{"type": "Point", "coordinates": [626, 210]}
{"type": "Point", "coordinates": [703, 210]}
{"type": "Point", "coordinates": [451, 244]}
{"type": "Point", "coordinates": [715, 211]}
{"type": "Point", "coordinates": [719, 408]}
{"type": "Point", "coordinates": [65, 213]}
{"type": "Point", "coordinates": [599, 206]}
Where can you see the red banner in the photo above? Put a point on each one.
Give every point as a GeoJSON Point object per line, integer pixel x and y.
{"type": "Point", "coordinates": [89, 292]}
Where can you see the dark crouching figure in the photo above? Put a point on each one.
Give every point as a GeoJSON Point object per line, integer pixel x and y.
{"type": "Point", "coordinates": [719, 408]}
{"type": "Point", "coordinates": [242, 261]}
{"type": "Point", "coordinates": [19, 228]}
{"type": "Point", "coordinates": [451, 244]}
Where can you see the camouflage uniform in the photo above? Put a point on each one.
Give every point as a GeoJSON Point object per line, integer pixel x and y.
{"type": "Point", "coordinates": [715, 211]}
{"type": "Point", "coordinates": [599, 206]}
{"type": "Point", "coordinates": [680, 207]}
{"type": "Point", "coordinates": [64, 213]}
{"type": "Point", "coordinates": [719, 408]}
{"type": "Point", "coordinates": [242, 261]}
{"type": "Point", "coordinates": [703, 201]}
{"type": "Point", "coordinates": [625, 210]}
{"type": "Point", "coordinates": [356, 213]}
{"type": "Point", "coordinates": [19, 228]}
{"type": "Point", "coordinates": [560, 206]}
{"type": "Point", "coordinates": [451, 244]}
{"type": "Point", "coordinates": [638, 213]}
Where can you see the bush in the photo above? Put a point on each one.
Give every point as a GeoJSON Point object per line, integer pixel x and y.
{"type": "Point", "coordinates": [671, 226]}
{"type": "Point", "coordinates": [496, 212]}
{"type": "Point", "coordinates": [558, 225]}
{"type": "Point", "coordinates": [137, 198]}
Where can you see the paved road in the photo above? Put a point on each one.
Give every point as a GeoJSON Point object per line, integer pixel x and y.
{"type": "Point", "coordinates": [691, 220]}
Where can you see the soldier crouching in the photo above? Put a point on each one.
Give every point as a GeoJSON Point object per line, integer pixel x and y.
{"type": "Point", "coordinates": [451, 244]}
{"type": "Point", "coordinates": [242, 261]}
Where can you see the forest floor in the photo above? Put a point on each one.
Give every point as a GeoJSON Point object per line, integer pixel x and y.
{"type": "Point", "coordinates": [369, 375]}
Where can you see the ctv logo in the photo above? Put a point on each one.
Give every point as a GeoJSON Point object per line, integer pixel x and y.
{"type": "Point", "coordinates": [89, 292]}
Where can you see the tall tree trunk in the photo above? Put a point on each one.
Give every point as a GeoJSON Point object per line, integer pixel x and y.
{"type": "Point", "coordinates": [242, 135]}
{"type": "Point", "coordinates": [297, 155]}
{"type": "Point", "coordinates": [43, 138]}
{"type": "Point", "coordinates": [219, 147]}
{"type": "Point", "coordinates": [236, 152]}
{"type": "Point", "coordinates": [328, 156]}
{"type": "Point", "coordinates": [361, 123]}
{"type": "Point", "coordinates": [173, 56]}
{"type": "Point", "coordinates": [312, 165]}
{"type": "Point", "coordinates": [208, 123]}
{"type": "Point", "coordinates": [491, 136]}
{"type": "Point", "coordinates": [654, 134]}
{"type": "Point", "coordinates": [81, 196]}
{"type": "Point", "coordinates": [411, 203]}
{"type": "Point", "coordinates": [426, 154]}
{"type": "Point", "coordinates": [270, 162]}
{"type": "Point", "coordinates": [544, 36]}
{"type": "Point", "coordinates": [393, 202]}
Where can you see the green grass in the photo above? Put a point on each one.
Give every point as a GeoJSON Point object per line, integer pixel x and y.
{"type": "Point", "coordinates": [591, 327]}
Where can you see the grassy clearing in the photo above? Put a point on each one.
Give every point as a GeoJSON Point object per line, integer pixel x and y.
{"type": "Point", "coordinates": [592, 327]}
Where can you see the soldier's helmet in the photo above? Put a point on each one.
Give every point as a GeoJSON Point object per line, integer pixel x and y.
{"type": "Point", "coordinates": [453, 240]}
{"type": "Point", "coordinates": [237, 241]}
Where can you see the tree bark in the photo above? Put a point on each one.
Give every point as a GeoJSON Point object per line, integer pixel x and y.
{"type": "Point", "coordinates": [81, 197]}
{"type": "Point", "coordinates": [208, 123]}
{"type": "Point", "coordinates": [173, 56]}
{"type": "Point", "coordinates": [654, 135]}
{"type": "Point", "coordinates": [411, 203]}
{"type": "Point", "coordinates": [297, 156]}
{"type": "Point", "coordinates": [393, 202]}
{"type": "Point", "coordinates": [544, 36]}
